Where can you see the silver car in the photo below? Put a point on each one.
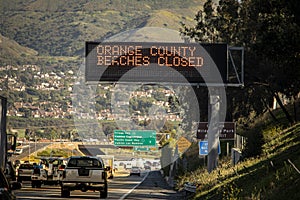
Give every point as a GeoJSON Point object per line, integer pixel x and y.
{"type": "Point", "coordinates": [24, 172]}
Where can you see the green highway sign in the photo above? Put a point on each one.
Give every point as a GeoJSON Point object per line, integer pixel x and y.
{"type": "Point", "coordinates": [135, 138]}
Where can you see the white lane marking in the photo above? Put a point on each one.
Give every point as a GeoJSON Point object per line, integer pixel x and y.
{"type": "Point", "coordinates": [125, 195]}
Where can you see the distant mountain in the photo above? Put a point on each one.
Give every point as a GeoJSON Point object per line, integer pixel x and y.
{"type": "Point", "coordinates": [11, 52]}
{"type": "Point", "coordinates": [61, 27]}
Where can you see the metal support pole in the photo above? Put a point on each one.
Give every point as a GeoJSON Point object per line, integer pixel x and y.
{"type": "Point", "coordinates": [213, 132]}
{"type": "Point", "coordinates": [34, 143]}
{"type": "Point", "coordinates": [29, 150]}
{"type": "Point", "coordinates": [227, 148]}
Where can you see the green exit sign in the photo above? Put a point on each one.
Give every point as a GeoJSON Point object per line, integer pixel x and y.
{"type": "Point", "coordinates": [135, 138]}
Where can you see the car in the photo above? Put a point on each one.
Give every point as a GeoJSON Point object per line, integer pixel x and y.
{"type": "Point", "coordinates": [18, 151]}
{"type": "Point", "coordinates": [147, 167]}
{"type": "Point", "coordinates": [84, 173]}
{"type": "Point", "coordinates": [48, 171]}
{"type": "Point", "coordinates": [156, 165]}
{"type": "Point", "coordinates": [135, 171]}
{"type": "Point", "coordinates": [5, 189]}
{"type": "Point", "coordinates": [24, 172]}
{"type": "Point", "coordinates": [115, 167]}
{"type": "Point", "coordinates": [128, 166]}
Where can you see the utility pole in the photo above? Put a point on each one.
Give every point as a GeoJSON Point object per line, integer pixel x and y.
{"type": "Point", "coordinates": [213, 129]}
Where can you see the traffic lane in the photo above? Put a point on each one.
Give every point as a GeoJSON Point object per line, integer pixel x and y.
{"type": "Point", "coordinates": [50, 192]}
{"type": "Point", "coordinates": [155, 187]}
{"type": "Point", "coordinates": [27, 150]}
{"type": "Point", "coordinates": [123, 184]}
{"type": "Point", "coordinates": [120, 185]}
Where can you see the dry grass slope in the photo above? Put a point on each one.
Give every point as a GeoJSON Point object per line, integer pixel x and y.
{"type": "Point", "coordinates": [273, 175]}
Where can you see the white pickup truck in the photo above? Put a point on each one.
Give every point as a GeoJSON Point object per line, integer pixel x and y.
{"type": "Point", "coordinates": [48, 171]}
{"type": "Point", "coordinates": [84, 173]}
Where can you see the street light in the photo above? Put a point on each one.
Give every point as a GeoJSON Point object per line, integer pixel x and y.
{"type": "Point", "coordinates": [29, 151]}
{"type": "Point", "coordinates": [35, 144]}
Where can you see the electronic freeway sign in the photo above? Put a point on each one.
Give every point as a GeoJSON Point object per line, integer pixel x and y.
{"type": "Point", "coordinates": [155, 62]}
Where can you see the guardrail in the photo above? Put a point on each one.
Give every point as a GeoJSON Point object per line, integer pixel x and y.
{"type": "Point", "coordinates": [190, 187]}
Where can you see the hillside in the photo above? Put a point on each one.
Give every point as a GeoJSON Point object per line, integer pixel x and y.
{"type": "Point", "coordinates": [273, 175]}
{"type": "Point", "coordinates": [11, 50]}
{"type": "Point", "coordinates": [60, 28]}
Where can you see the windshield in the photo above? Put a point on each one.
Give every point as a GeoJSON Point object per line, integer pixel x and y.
{"type": "Point", "coordinates": [26, 166]}
{"type": "Point", "coordinates": [84, 162]}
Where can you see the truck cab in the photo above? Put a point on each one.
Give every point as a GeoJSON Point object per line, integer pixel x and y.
{"type": "Point", "coordinates": [48, 171]}
{"type": "Point", "coordinates": [84, 173]}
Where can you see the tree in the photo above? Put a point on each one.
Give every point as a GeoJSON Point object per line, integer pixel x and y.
{"type": "Point", "coordinates": [275, 43]}
{"type": "Point", "coordinates": [270, 33]}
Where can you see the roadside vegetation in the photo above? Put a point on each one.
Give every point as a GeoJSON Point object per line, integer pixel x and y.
{"type": "Point", "coordinates": [273, 174]}
{"type": "Point", "coordinates": [267, 30]}
{"type": "Point", "coordinates": [270, 165]}
{"type": "Point", "coordinates": [63, 150]}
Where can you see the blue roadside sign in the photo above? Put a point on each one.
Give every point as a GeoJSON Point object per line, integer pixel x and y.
{"type": "Point", "coordinates": [203, 148]}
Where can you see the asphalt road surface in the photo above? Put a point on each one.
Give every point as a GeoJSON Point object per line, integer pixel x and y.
{"type": "Point", "coordinates": [30, 148]}
{"type": "Point", "coordinates": [150, 185]}
{"type": "Point", "coordinates": [155, 187]}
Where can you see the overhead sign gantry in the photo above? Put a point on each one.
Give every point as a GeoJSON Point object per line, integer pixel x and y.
{"type": "Point", "coordinates": [212, 65]}
{"type": "Point", "coordinates": [155, 62]}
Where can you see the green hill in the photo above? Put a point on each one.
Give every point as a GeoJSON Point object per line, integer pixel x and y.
{"type": "Point", "coordinates": [60, 27]}
{"type": "Point", "coordinates": [11, 51]}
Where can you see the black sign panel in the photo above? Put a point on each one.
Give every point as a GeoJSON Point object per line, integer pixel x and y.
{"type": "Point", "coordinates": [227, 132]}
{"type": "Point", "coordinates": [155, 62]}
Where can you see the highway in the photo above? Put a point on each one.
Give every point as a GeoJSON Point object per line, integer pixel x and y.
{"type": "Point", "coordinates": [150, 185]}
{"type": "Point", "coordinates": [29, 149]}
{"type": "Point", "coordinates": [154, 187]}
{"type": "Point", "coordinates": [118, 188]}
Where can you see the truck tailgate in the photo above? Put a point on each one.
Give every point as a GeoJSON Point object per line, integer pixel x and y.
{"type": "Point", "coordinates": [83, 175]}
